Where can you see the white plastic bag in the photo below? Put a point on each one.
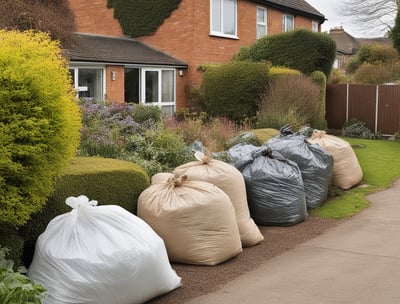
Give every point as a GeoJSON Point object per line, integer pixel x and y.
{"type": "Point", "coordinates": [101, 255]}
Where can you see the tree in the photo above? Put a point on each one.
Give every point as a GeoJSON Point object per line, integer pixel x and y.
{"type": "Point", "coordinates": [372, 15]}
{"type": "Point", "coordinates": [51, 16]}
{"type": "Point", "coordinates": [395, 32]}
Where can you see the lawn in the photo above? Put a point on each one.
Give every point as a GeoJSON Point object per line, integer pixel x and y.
{"type": "Point", "coordinates": [379, 160]}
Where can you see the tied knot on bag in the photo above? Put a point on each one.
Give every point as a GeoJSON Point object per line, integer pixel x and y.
{"type": "Point", "coordinates": [177, 180]}
{"type": "Point", "coordinates": [79, 202]}
{"type": "Point", "coordinates": [203, 157]}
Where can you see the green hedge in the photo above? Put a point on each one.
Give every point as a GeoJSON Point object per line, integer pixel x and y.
{"type": "Point", "coordinates": [301, 50]}
{"type": "Point", "coordinates": [109, 181]}
{"type": "Point", "coordinates": [232, 90]}
{"type": "Point", "coordinates": [39, 122]}
{"type": "Point", "coordinates": [140, 18]}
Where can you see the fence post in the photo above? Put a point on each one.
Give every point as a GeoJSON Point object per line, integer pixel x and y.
{"type": "Point", "coordinates": [376, 108]}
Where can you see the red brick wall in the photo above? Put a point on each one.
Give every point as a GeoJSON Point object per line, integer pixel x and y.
{"type": "Point", "coordinates": [93, 16]}
{"type": "Point", "coordinates": [115, 88]}
{"type": "Point", "coordinates": [185, 34]}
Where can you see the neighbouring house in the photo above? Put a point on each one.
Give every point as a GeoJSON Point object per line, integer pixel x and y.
{"type": "Point", "coordinates": [161, 67]}
{"type": "Point", "coordinates": [346, 46]}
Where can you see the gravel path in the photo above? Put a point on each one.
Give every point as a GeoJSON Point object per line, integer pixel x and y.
{"type": "Point", "coordinates": [200, 280]}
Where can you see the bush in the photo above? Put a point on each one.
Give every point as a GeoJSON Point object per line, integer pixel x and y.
{"type": "Point", "coordinates": [15, 287]}
{"type": "Point", "coordinates": [106, 126]}
{"type": "Point", "coordinates": [212, 132]}
{"type": "Point", "coordinates": [301, 50]}
{"type": "Point", "coordinates": [294, 100]}
{"type": "Point", "coordinates": [232, 90]}
{"type": "Point", "coordinates": [108, 181]}
{"type": "Point", "coordinates": [377, 73]}
{"type": "Point", "coordinates": [39, 122]}
{"type": "Point", "coordinates": [374, 54]}
{"type": "Point", "coordinates": [157, 150]}
{"type": "Point", "coordinates": [276, 72]}
{"type": "Point", "coordinates": [142, 113]}
{"type": "Point", "coordinates": [358, 129]}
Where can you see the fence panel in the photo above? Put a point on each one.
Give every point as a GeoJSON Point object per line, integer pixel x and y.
{"type": "Point", "coordinates": [377, 106]}
{"type": "Point", "coordinates": [389, 109]}
{"type": "Point", "coordinates": [336, 105]}
{"type": "Point", "coordinates": [362, 103]}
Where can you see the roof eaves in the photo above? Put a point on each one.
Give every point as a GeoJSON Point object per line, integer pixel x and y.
{"type": "Point", "coordinates": [291, 9]}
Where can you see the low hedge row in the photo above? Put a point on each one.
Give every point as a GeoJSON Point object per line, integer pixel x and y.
{"type": "Point", "coordinates": [109, 181]}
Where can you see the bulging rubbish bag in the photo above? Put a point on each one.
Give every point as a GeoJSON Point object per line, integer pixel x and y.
{"type": "Point", "coordinates": [231, 181]}
{"type": "Point", "coordinates": [274, 185]}
{"type": "Point", "coordinates": [347, 171]}
{"type": "Point", "coordinates": [315, 164]}
{"type": "Point", "coordinates": [195, 219]}
{"type": "Point", "coordinates": [101, 255]}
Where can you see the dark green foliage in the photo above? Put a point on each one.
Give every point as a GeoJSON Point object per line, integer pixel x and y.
{"type": "Point", "coordinates": [15, 286]}
{"type": "Point", "coordinates": [358, 129]}
{"type": "Point", "coordinates": [142, 113]}
{"type": "Point", "coordinates": [108, 181]}
{"type": "Point", "coordinates": [39, 122]}
{"type": "Point", "coordinates": [157, 150]}
{"type": "Point", "coordinates": [140, 18]}
{"type": "Point", "coordinates": [395, 32]}
{"type": "Point", "coordinates": [301, 49]}
{"type": "Point", "coordinates": [51, 16]}
{"type": "Point", "coordinates": [232, 90]}
{"type": "Point", "coordinates": [10, 238]}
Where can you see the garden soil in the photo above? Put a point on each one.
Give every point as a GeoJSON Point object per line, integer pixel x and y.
{"type": "Point", "coordinates": [200, 280]}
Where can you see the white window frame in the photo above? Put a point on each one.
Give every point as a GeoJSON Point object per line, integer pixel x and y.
{"type": "Point", "coordinates": [160, 103]}
{"type": "Point", "coordinates": [78, 89]}
{"type": "Point", "coordinates": [261, 24]}
{"type": "Point", "coordinates": [285, 27]}
{"type": "Point", "coordinates": [315, 26]}
{"type": "Point", "coordinates": [221, 32]}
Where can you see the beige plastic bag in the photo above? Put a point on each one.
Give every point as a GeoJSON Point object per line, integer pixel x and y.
{"type": "Point", "coordinates": [347, 171]}
{"type": "Point", "coordinates": [231, 181]}
{"type": "Point", "coordinates": [195, 219]}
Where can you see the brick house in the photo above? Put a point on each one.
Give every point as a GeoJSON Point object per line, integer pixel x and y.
{"type": "Point", "coordinates": [196, 33]}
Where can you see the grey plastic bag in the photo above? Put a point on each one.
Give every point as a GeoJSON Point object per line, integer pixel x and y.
{"type": "Point", "coordinates": [274, 186]}
{"type": "Point", "coordinates": [315, 163]}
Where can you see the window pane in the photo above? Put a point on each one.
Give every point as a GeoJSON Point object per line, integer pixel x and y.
{"type": "Point", "coordinates": [151, 94]}
{"type": "Point", "coordinates": [315, 26]}
{"type": "Point", "coordinates": [290, 23]}
{"type": "Point", "coordinates": [260, 15]}
{"type": "Point", "coordinates": [229, 16]}
{"type": "Point", "coordinates": [132, 85]}
{"type": "Point", "coordinates": [168, 110]}
{"type": "Point", "coordinates": [91, 82]}
{"type": "Point", "coordinates": [167, 93]}
{"type": "Point", "coordinates": [261, 31]}
{"type": "Point", "coordinates": [216, 15]}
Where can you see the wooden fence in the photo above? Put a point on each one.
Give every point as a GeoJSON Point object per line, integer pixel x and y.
{"type": "Point", "coordinates": [376, 105]}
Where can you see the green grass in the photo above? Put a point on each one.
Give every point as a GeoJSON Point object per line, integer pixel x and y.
{"type": "Point", "coordinates": [379, 160]}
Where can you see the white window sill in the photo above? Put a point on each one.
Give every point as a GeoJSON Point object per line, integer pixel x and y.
{"type": "Point", "coordinates": [222, 35]}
